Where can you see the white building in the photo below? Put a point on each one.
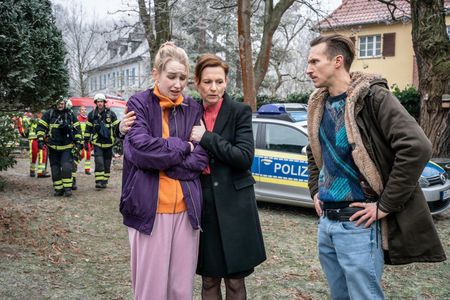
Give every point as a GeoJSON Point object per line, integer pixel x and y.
{"type": "Point", "coordinates": [125, 70]}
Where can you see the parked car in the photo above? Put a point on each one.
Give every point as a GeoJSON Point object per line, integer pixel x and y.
{"type": "Point", "coordinates": [280, 166]}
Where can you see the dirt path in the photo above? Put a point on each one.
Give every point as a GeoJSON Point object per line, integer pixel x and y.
{"type": "Point", "coordinates": [77, 248]}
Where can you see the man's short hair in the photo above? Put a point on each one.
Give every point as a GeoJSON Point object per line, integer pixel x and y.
{"type": "Point", "coordinates": [337, 44]}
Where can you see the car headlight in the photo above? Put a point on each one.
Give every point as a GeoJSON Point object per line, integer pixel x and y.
{"type": "Point", "coordinates": [423, 182]}
{"type": "Point", "coordinates": [444, 177]}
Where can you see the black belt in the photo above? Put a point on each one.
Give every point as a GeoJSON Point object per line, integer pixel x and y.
{"type": "Point", "coordinates": [340, 214]}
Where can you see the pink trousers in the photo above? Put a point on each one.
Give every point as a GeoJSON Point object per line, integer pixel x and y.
{"type": "Point", "coordinates": [163, 264]}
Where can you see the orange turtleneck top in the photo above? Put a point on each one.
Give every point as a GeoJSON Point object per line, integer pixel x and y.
{"type": "Point", "coordinates": [170, 200]}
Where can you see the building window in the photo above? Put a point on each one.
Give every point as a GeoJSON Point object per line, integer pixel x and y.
{"type": "Point", "coordinates": [104, 81]}
{"type": "Point", "coordinates": [127, 77]}
{"type": "Point", "coordinates": [114, 79]}
{"type": "Point", "coordinates": [95, 83]}
{"type": "Point", "coordinates": [122, 78]}
{"type": "Point", "coordinates": [133, 74]}
{"type": "Point", "coordinates": [370, 46]}
{"type": "Point", "coordinates": [448, 32]}
{"type": "Point", "coordinates": [92, 84]}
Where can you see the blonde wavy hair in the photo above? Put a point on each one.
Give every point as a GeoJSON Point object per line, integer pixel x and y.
{"type": "Point", "coordinates": [168, 52]}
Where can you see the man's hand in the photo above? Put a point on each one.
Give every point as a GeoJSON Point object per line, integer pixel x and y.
{"type": "Point", "coordinates": [197, 132]}
{"type": "Point", "coordinates": [41, 144]}
{"type": "Point", "coordinates": [318, 205]}
{"type": "Point", "coordinates": [368, 214]}
{"type": "Point", "coordinates": [127, 122]}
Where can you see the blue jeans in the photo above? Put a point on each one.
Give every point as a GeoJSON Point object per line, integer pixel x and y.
{"type": "Point", "coordinates": [351, 259]}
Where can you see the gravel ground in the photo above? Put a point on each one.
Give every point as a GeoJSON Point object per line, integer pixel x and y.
{"type": "Point", "coordinates": [77, 248]}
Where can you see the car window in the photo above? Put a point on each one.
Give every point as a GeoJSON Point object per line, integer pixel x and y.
{"type": "Point", "coordinates": [255, 131]}
{"type": "Point", "coordinates": [285, 139]}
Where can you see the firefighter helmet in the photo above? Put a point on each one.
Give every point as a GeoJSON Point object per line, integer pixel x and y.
{"type": "Point", "coordinates": [99, 97]}
{"type": "Point", "coordinates": [69, 104]}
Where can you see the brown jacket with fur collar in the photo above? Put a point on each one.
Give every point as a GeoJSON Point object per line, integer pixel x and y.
{"type": "Point", "coordinates": [391, 156]}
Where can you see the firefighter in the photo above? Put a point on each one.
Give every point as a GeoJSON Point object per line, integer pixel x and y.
{"type": "Point", "coordinates": [64, 134]}
{"type": "Point", "coordinates": [85, 154]}
{"type": "Point", "coordinates": [28, 127]}
{"type": "Point", "coordinates": [101, 131]}
{"type": "Point", "coordinates": [76, 152]}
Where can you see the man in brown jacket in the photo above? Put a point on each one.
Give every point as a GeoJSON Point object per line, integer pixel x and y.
{"type": "Point", "coordinates": [365, 157]}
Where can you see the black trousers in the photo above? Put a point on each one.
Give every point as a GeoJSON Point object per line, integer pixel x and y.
{"type": "Point", "coordinates": [61, 167]}
{"type": "Point", "coordinates": [102, 158]}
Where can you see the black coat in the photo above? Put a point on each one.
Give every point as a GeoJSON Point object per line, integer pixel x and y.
{"type": "Point", "coordinates": [231, 149]}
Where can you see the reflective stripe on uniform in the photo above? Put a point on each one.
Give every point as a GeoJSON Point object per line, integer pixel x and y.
{"type": "Point", "coordinates": [63, 147]}
{"type": "Point", "coordinates": [58, 185]}
{"type": "Point", "coordinates": [43, 123]}
{"type": "Point", "coordinates": [103, 145]}
{"type": "Point", "coordinates": [67, 182]}
{"type": "Point", "coordinates": [99, 176]}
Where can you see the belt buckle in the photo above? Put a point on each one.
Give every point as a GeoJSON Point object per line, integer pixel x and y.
{"type": "Point", "coordinates": [332, 214]}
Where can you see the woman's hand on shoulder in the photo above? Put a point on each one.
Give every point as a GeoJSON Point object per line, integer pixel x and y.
{"type": "Point", "coordinates": [127, 121]}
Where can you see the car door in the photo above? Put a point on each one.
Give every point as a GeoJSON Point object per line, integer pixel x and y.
{"type": "Point", "coordinates": [282, 172]}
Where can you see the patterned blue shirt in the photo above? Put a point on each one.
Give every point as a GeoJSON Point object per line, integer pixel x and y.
{"type": "Point", "coordinates": [339, 176]}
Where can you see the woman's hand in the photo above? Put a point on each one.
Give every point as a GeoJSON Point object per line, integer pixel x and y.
{"type": "Point", "coordinates": [127, 121]}
{"type": "Point", "coordinates": [197, 132]}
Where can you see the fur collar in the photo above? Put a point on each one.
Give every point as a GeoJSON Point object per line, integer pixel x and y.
{"type": "Point", "coordinates": [358, 89]}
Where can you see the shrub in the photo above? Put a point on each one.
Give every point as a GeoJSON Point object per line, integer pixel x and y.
{"type": "Point", "coordinates": [301, 97]}
{"type": "Point", "coordinates": [409, 97]}
{"type": "Point", "coordinates": [8, 140]}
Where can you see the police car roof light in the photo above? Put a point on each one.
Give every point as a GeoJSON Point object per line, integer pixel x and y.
{"type": "Point", "coordinates": [270, 109]}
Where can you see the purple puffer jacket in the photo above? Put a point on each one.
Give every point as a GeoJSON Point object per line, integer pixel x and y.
{"type": "Point", "coordinates": [146, 153]}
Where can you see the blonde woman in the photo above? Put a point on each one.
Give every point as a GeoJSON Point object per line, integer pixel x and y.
{"type": "Point", "coordinates": [161, 193]}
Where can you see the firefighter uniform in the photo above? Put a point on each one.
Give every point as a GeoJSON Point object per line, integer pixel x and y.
{"type": "Point", "coordinates": [101, 132]}
{"type": "Point", "coordinates": [85, 154]}
{"type": "Point", "coordinates": [37, 156]}
{"type": "Point", "coordinates": [63, 130]}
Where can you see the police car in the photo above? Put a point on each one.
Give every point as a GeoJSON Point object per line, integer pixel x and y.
{"type": "Point", "coordinates": [280, 166]}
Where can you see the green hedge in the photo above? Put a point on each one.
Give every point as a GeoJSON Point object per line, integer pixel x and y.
{"type": "Point", "coordinates": [410, 99]}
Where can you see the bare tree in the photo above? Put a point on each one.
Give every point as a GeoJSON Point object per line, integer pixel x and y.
{"type": "Point", "coordinates": [245, 52]}
{"type": "Point", "coordinates": [281, 53]}
{"type": "Point", "coordinates": [84, 45]}
{"type": "Point", "coordinates": [272, 18]}
{"type": "Point", "coordinates": [156, 20]}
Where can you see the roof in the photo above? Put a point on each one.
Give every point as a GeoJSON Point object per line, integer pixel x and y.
{"type": "Point", "coordinates": [362, 12]}
{"type": "Point", "coordinates": [141, 53]}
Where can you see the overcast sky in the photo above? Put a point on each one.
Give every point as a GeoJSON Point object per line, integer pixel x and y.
{"type": "Point", "coordinates": [100, 8]}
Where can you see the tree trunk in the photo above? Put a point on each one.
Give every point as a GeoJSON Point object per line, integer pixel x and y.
{"type": "Point", "coordinates": [431, 46]}
{"type": "Point", "coordinates": [245, 52]}
{"type": "Point", "coordinates": [272, 18]}
{"type": "Point", "coordinates": [146, 20]}
{"type": "Point", "coordinates": [162, 22]}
